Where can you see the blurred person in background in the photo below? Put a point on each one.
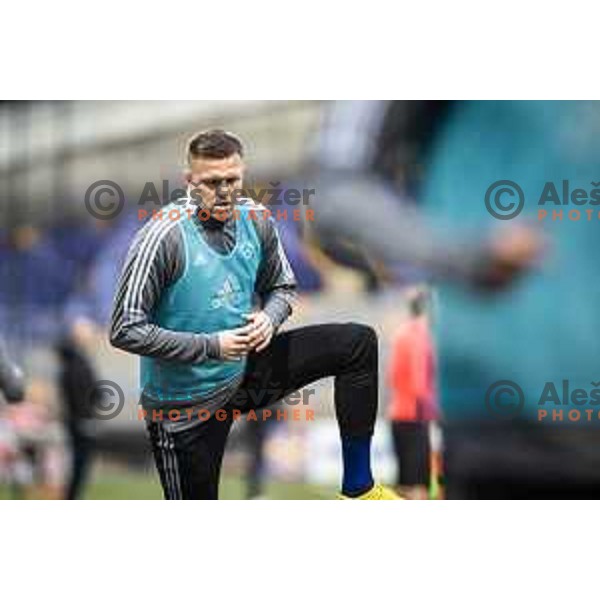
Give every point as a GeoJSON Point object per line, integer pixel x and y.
{"type": "Point", "coordinates": [77, 375]}
{"type": "Point", "coordinates": [101, 246]}
{"type": "Point", "coordinates": [413, 405]}
{"type": "Point", "coordinates": [536, 329]}
{"type": "Point", "coordinates": [77, 380]}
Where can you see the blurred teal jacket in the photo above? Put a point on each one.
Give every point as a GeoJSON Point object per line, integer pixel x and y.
{"type": "Point", "coordinates": [547, 327]}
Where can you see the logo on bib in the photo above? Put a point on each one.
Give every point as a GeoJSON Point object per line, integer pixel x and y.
{"type": "Point", "coordinates": [227, 293]}
{"type": "Point", "coordinates": [247, 250]}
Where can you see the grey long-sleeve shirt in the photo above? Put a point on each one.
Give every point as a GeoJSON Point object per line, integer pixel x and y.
{"type": "Point", "coordinates": [156, 260]}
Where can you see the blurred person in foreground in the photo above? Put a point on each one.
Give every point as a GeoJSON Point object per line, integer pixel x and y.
{"type": "Point", "coordinates": [201, 298]}
{"type": "Point", "coordinates": [413, 406]}
{"type": "Point", "coordinates": [538, 328]}
{"type": "Point", "coordinates": [386, 141]}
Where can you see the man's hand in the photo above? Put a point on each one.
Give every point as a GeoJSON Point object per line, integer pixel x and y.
{"type": "Point", "coordinates": [512, 252]}
{"type": "Point", "coordinates": [261, 330]}
{"type": "Point", "coordinates": [234, 344]}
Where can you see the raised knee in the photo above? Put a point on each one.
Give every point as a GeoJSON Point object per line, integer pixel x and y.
{"type": "Point", "coordinates": [362, 339]}
{"type": "Point", "coordinates": [363, 332]}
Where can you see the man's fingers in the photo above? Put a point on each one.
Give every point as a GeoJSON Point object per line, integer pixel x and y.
{"type": "Point", "coordinates": [236, 353]}
{"type": "Point", "coordinates": [234, 345]}
{"type": "Point", "coordinates": [240, 336]}
{"type": "Point", "coordinates": [263, 344]}
{"type": "Point", "coordinates": [251, 328]}
{"type": "Point", "coordinates": [244, 330]}
{"type": "Point", "coordinates": [260, 333]}
{"type": "Point", "coordinates": [267, 337]}
{"type": "Point", "coordinates": [251, 320]}
{"type": "Point", "coordinates": [255, 334]}
{"type": "Point", "coordinates": [239, 348]}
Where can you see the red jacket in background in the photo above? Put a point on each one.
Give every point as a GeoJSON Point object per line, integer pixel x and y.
{"type": "Point", "coordinates": [412, 373]}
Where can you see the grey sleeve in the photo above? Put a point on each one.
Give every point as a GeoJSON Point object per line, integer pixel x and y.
{"type": "Point", "coordinates": [156, 259]}
{"type": "Point", "coordinates": [365, 210]}
{"type": "Point", "coordinates": [12, 381]}
{"type": "Point", "coordinates": [275, 283]}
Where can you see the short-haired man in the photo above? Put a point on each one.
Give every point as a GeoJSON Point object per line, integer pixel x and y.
{"type": "Point", "coordinates": [201, 298]}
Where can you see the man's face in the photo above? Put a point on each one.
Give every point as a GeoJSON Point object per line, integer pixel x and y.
{"type": "Point", "coordinates": [215, 180]}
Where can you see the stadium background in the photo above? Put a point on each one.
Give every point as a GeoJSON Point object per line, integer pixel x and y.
{"type": "Point", "coordinates": [55, 151]}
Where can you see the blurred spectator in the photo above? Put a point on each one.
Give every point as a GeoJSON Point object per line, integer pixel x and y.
{"type": "Point", "coordinates": [411, 377]}
{"type": "Point", "coordinates": [86, 315]}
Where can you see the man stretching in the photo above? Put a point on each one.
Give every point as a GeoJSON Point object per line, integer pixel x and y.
{"type": "Point", "coordinates": [203, 292]}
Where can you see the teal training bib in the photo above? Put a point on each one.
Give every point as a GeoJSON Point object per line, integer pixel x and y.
{"type": "Point", "coordinates": [213, 294]}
